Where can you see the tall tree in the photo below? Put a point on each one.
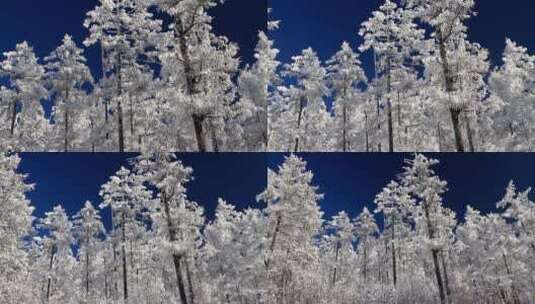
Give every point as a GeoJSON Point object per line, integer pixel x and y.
{"type": "Point", "coordinates": [345, 75]}
{"type": "Point", "coordinates": [15, 225]}
{"type": "Point", "coordinates": [127, 197]}
{"type": "Point", "coordinates": [394, 39]}
{"type": "Point", "coordinates": [446, 18]}
{"type": "Point", "coordinates": [124, 29]}
{"type": "Point", "coordinates": [69, 75]}
{"type": "Point", "coordinates": [88, 228]}
{"type": "Point", "coordinates": [27, 122]}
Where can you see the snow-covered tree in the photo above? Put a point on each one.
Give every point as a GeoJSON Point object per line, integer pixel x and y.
{"type": "Point", "coordinates": [394, 39]}
{"type": "Point", "coordinates": [345, 75]}
{"type": "Point", "coordinates": [15, 226]}
{"type": "Point", "coordinates": [295, 220]}
{"type": "Point", "coordinates": [513, 84]}
{"type": "Point", "coordinates": [88, 229]}
{"type": "Point", "coordinates": [128, 198]}
{"type": "Point", "coordinates": [27, 123]}
{"type": "Point", "coordinates": [68, 75]}
{"type": "Point", "coordinates": [255, 87]}
{"type": "Point", "coordinates": [307, 124]}
{"type": "Point", "coordinates": [124, 29]}
{"type": "Point", "coordinates": [59, 285]}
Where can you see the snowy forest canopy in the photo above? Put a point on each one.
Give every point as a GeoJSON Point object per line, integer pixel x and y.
{"type": "Point", "coordinates": [168, 83]}
{"type": "Point", "coordinates": [431, 89]}
{"type": "Point", "coordinates": [160, 248]}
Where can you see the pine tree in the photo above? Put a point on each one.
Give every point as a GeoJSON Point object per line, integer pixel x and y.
{"type": "Point", "coordinates": [124, 29]}
{"type": "Point", "coordinates": [295, 220]}
{"type": "Point", "coordinates": [27, 123]}
{"type": "Point", "coordinates": [15, 225]}
{"type": "Point", "coordinates": [68, 74]}
{"type": "Point", "coordinates": [88, 228]}
{"type": "Point", "coordinates": [345, 75]}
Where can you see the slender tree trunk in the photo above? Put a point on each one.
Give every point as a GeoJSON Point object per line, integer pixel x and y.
{"type": "Point", "coordinates": [13, 117]}
{"type": "Point", "coordinates": [449, 79]}
{"type": "Point", "coordinates": [105, 101]}
{"type": "Point", "coordinates": [439, 277]}
{"type": "Point", "coordinates": [469, 133]}
{"type": "Point", "coordinates": [120, 124]}
{"type": "Point", "coordinates": [299, 118]}
{"type": "Point", "coordinates": [86, 271]}
{"type": "Point", "coordinates": [191, 89]}
{"type": "Point", "coordinates": [365, 261]}
{"type": "Point", "coordinates": [65, 102]}
{"type": "Point", "coordinates": [132, 123]}
{"type": "Point", "coordinates": [176, 258]}
{"type": "Point", "coordinates": [394, 270]}
{"type": "Point", "coordinates": [125, 273]}
{"type": "Point", "coordinates": [49, 280]}
{"type": "Point", "coordinates": [215, 143]}
{"type": "Point", "coordinates": [274, 238]}
{"type": "Point", "coordinates": [446, 278]}
{"type": "Point", "coordinates": [344, 135]}
{"type": "Point", "coordinates": [389, 109]}
{"type": "Point", "coordinates": [190, 283]}
{"type": "Point", "coordinates": [367, 135]}
{"type": "Point", "coordinates": [336, 262]}
{"type": "Point", "coordinates": [514, 292]}
{"type": "Point", "coordinates": [66, 142]}
{"type": "Point", "coordinates": [434, 252]}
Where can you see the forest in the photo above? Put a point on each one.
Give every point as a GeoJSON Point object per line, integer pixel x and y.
{"type": "Point", "coordinates": [168, 83]}
{"type": "Point", "coordinates": [431, 88]}
{"type": "Point", "coordinates": [161, 248]}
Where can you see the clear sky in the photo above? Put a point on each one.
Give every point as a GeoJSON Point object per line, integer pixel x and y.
{"type": "Point", "coordinates": [70, 179]}
{"type": "Point", "coordinates": [324, 25]}
{"type": "Point", "coordinates": [44, 23]}
{"type": "Point", "coordinates": [351, 181]}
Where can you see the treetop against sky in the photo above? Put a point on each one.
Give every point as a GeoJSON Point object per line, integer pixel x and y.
{"type": "Point", "coordinates": [325, 25]}
{"type": "Point", "coordinates": [71, 179]}
{"type": "Point", "coordinates": [44, 23]}
{"type": "Point", "coordinates": [349, 182]}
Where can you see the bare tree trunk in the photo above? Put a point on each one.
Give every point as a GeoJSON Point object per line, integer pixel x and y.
{"type": "Point", "coordinates": [191, 88]}
{"type": "Point", "coordinates": [198, 124]}
{"type": "Point", "coordinates": [446, 278]}
{"type": "Point", "coordinates": [389, 109]}
{"type": "Point", "coordinates": [469, 133]}
{"type": "Point", "coordinates": [394, 270]}
{"type": "Point", "coordinates": [13, 117]}
{"type": "Point", "coordinates": [365, 261]}
{"type": "Point", "coordinates": [190, 283]}
{"type": "Point", "coordinates": [132, 123]}
{"type": "Point", "coordinates": [514, 292]}
{"type": "Point", "coordinates": [434, 252]}
{"type": "Point", "coordinates": [344, 132]}
{"type": "Point", "coordinates": [274, 238]}
{"type": "Point", "coordinates": [49, 281]}
{"type": "Point", "coordinates": [86, 271]}
{"type": "Point", "coordinates": [176, 258]}
{"type": "Point", "coordinates": [66, 142]}
{"type": "Point", "coordinates": [120, 125]}
{"type": "Point", "coordinates": [449, 79]}
{"type": "Point", "coordinates": [336, 262]}
{"type": "Point", "coordinates": [299, 118]}
{"type": "Point", "coordinates": [123, 251]}
{"type": "Point", "coordinates": [215, 143]}
{"type": "Point", "coordinates": [367, 135]}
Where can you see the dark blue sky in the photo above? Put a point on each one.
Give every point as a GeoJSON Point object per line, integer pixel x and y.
{"type": "Point", "coordinates": [323, 25]}
{"type": "Point", "coordinates": [70, 179]}
{"type": "Point", "coordinates": [44, 23]}
{"type": "Point", "coordinates": [351, 181]}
